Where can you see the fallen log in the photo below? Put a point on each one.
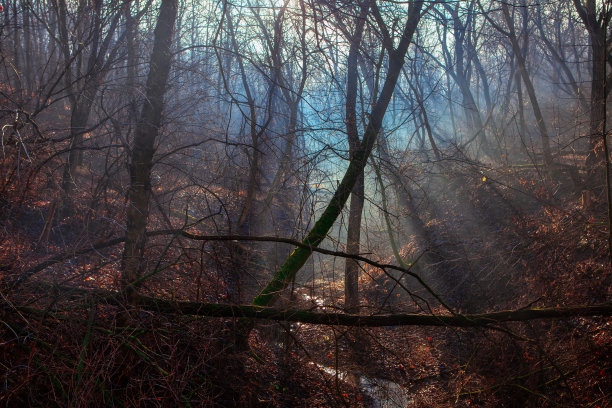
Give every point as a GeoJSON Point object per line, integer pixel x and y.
{"type": "Point", "coordinates": [335, 318]}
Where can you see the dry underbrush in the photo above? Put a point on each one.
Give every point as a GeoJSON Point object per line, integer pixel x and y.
{"type": "Point", "coordinates": [69, 349]}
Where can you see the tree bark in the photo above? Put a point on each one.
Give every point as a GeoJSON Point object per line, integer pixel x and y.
{"type": "Point", "coordinates": [399, 319]}
{"type": "Point", "coordinates": [342, 319]}
{"type": "Point", "coordinates": [353, 237]}
{"type": "Point", "coordinates": [596, 27]}
{"type": "Point", "coordinates": [146, 132]}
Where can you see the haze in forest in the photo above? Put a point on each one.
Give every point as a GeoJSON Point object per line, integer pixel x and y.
{"type": "Point", "coordinates": [271, 203]}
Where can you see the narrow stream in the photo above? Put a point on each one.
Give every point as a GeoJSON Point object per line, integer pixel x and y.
{"type": "Point", "coordinates": [384, 393]}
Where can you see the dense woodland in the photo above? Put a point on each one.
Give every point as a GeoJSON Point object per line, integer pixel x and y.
{"type": "Point", "coordinates": [300, 203]}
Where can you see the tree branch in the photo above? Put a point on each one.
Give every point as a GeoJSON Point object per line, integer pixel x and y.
{"type": "Point", "coordinates": [71, 253]}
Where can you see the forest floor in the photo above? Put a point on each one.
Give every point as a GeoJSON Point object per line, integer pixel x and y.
{"type": "Point", "coordinates": [71, 349]}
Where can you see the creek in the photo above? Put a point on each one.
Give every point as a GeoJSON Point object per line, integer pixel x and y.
{"type": "Point", "coordinates": [384, 393]}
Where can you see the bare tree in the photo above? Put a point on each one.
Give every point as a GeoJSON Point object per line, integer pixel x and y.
{"type": "Point", "coordinates": [351, 270]}
{"type": "Point", "coordinates": [141, 156]}
{"type": "Point", "coordinates": [300, 255]}
{"type": "Point", "coordinates": [596, 19]}
{"type": "Point", "coordinates": [522, 68]}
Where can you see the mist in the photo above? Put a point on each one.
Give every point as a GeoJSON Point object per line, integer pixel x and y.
{"type": "Point", "coordinates": [305, 203]}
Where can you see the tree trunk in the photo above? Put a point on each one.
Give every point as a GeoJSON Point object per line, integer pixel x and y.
{"type": "Point", "coordinates": [353, 241]}
{"type": "Point", "coordinates": [82, 99]}
{"type": "Point", "coordinates": [146, 132]}
{"type": "Point", "coordinates": [598, 109]}
{"type": "Point", "coordinates": [300, 255]}
{"type": "Point", "coordinates": [460, 74]}
{"type": "Point", "coordinates": [78, 125]}
{"type": "Point", "coordinates": [254, 168]}
{"type": "Point", "coordinates": [596, 26]}
{"type": "Point", "coordinates": [353, 238]}
{"type": "Point", "coordinates": [516, 48]}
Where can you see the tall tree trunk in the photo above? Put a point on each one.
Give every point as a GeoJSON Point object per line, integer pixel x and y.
{"type": "Point", "coordinates": [597, 25]}
{"type": "Point", "coordinates": [254, 159]}
{"type": "Point", "coordinates": [516, 48]}
{"type": "Point", "coordinates": [131, 51]}
{"type": "Point", "coordinates": [459, 71]}
{"type": "Point", "coordinates": [78, 126]}
{"type": "Point", "coordinates": [28, 55]}
{"type": "Point", "coordinates": [561, 63]}
{"type": "Point", "coordinates": [81, 100]}
{"type": "Point", "coordinates": [17, 50]}
{"type": "Point", "coordinates": [598, 107]}
{"type": "Point", "coordinates": [300, 255]}
{"type": "Point", "coordinates": [353, 237]}
{"type": "Point", "coordinates": [418, 96]}
{"type": "Point", "coordinates": [145, 135]}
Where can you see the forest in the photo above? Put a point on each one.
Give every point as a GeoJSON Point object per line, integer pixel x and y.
{"type": "Point", "coordinates": [305, 203]}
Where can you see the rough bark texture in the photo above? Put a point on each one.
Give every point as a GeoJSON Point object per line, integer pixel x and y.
{"type": "Point", "coordinates": [144, 147]}
{"type": "Point", "coordinates": [598, 106]}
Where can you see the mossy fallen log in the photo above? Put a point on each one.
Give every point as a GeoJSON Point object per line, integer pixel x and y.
{"type": "Point", "coordinates": [396, 319]}
{"type": "Point", "coordinates": [332, 318]}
